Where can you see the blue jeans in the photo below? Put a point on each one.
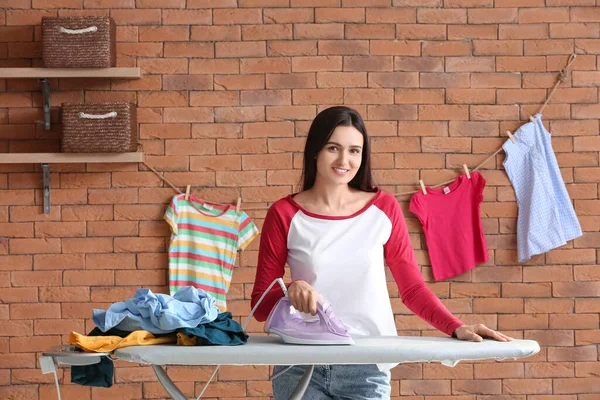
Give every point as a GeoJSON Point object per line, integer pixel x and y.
{"type": "Point", "coordinates": [337, 382]}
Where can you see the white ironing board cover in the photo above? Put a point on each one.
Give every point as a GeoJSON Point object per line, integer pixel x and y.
{"type": "Point", "coordinates": [270, 350]}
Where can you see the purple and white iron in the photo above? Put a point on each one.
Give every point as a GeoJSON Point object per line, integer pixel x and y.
{"type": "Point", "coordinates": [287, 322]}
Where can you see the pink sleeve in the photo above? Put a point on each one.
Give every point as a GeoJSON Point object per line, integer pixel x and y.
{"type": "Point", "coordinates": [272, 256]}
{"type": "Point", "coordinates": [418, 208]}
{"type": "Point", "coordinates": [480, 186]}
{"type": "Point", "coordinates": [400, 258]}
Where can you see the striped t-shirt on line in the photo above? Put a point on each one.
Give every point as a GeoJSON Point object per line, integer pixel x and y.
{"type": "Point", "coordinates": [205, 239]}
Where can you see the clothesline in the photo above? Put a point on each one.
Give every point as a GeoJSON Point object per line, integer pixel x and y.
{"type": "Point", "coordinates": [561, 77]}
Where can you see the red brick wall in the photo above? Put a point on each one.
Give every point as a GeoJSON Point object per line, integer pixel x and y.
{"type": "Point", "coordinates": [229, 91]}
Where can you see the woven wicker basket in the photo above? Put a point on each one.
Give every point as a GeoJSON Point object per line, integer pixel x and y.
{"type": "Point", "coordinates": [78, 42]}
{"type": "Point", "coordinates": [99, 128]}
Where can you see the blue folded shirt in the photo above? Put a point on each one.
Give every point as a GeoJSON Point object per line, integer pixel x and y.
{"type": "Point", "coordinates": [159, 313]}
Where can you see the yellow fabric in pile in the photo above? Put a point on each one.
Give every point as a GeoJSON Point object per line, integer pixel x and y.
{"type": "Point", "coordinates": [110, 343]}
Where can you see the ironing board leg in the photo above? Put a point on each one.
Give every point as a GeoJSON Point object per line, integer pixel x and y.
{"type": "Point", "coordinates": [303, 384]}
{"type": "Point", "coordinates": [167, 383]}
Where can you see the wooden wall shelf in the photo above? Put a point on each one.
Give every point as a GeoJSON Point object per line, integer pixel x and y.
{"type": "Point", "coordinates": [117, 72]}
{"type": "Point", "coordinates": [47, 158]}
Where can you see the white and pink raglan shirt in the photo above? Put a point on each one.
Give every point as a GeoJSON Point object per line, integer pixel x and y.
{"type": "Point", "coordinates": [343, 259]}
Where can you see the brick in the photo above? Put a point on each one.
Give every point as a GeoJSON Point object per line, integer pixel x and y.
{"type": "Point", "coordinates": [34, 311]}
{"type": "Point", "coordinates": [188, 114]}
{"type": "Point", "coordinates": [34, 246]}
{"type": "Point", "coordinates": [65, 294]}
{"type": "Point", "coordinates": [444, 112]}
{"type": "Point", "coordinates": [210, 98]}
{"type": "Point", "coordinates": [89, 278]}
{"type": "Point", "coordinates": [112, 228]}
{"type": "Point", "coordinates": [424, 64]}
{"type": "Point", "coordinates": [395, 48]}
{"type": "Point", "coordinates": [213, 33]}
{"type": "Point", "coordinates": [87, 245]}
{"type": "Point", "coordinates": [577, 385]}
{"type": "Point", "coordinates": [265, 65]}
{"type": "Point", "coordinates": [441, 16]}
{"type": "Point", "coordinates": [484, 386]}
{"type": "Point", "coordinates": [549, 370]}
{"type": "Point", "coordinates": [229, 66]}
{"type": "Point", "coordinates": [15, 263]}
{"type": "Point", "coordinates": [237, 16]}
{"type": "Point", "coordinates": [447, 80]}
{"type": "Point", "coordinates": [87, 180]}
{"type": "Point", "coordinates": [87, 213]}
{"type": "Point", "coordinates": [392, 112]}
{"type": "Point", "coordinates": [544, 15]}
{"type": "Point", "coordinates": [282, 48]}
{"type": "Point", "coordinates": [522, 31]}
{"type": "Point", "coordinates": [35, 278]}
{"type": "Point", "coordinates": [16, 229]}
{"type": "Point", "coordinates": [575, 30]}
{"type": "Point", "coordinates": [470, 64]}
{"type": "Point", "coordinates": [59, 229]}
{"type": "Point", "coordinates": [139, 244]}
{"type": "Point", "coordinates": [581, 321]}
{"type": "Point", "coordinates": [497, 47]}
{"type": "Point", "coordinates": [460, 32]}
{"type": "Point", "coordinates": [164, 65]}
{"type": "Point", "coordinates": [551, 337]}
{"type": "Point", "coordinates": [163, 33]}
{"type": "Point", "coordinates": [186, 17]}
{"type": "Point", "coordinates": [425, 387]}
{"type": "Point", "coordinates": [265, 97]}
{"type": "Point", "coordinates": [390, 15]}
{"type": "Point", "coordinates": [393, 79]}
{"type": "Point", "coordinates": [368, 63]}
{"type": "Point", "coordinates": [154, 228]}
{"type": "Point", "coordinates": [240, 49]}
{"type": "Point", "coordinates": [547, 47]}
{"type": "Point", "coordinates": [125, 277]}
{"type": "Point", "coordinates": [139, 212]}
{"type": "Point", "coordinates": [20, 392]}
{"type": "Point", "coordinates": [349, 47]}
{"type": "Point", "coordinates": [492, 16]}
{"type": "Point", "coordinates": [287, 15]}
{"type": "Point", "coordinates": [370, 31]}
{"type": "Point", "coordinates": [527, 386]}
{"type": "Point", "coordinates": [23, 360]}
{"type": "Point", "coordinates": [582, 353]}
{"type": "Point", "coordinates": [290, 81]}
{"type": "Point", "coordinates": [239, 114]}
{"type": "Point", "coordinates": [318, 31]}
{"type": "Point", "coordinates": [278, 113]}
{"type": "Point", "coordinates": [348, 15]}
{"type": "Point", "coordinates": [19, 295]}
{"type": "Point", "coordinates": [58, 261]}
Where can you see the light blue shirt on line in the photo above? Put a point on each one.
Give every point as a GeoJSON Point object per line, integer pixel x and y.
{"type": "Point", "coordinates": [546, 218]}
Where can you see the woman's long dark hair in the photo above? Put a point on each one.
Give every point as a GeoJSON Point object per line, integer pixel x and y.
{"type": "Point", "coordinates": [319, 134]}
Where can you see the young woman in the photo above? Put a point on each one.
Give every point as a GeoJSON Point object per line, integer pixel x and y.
{"type": "Point", "coordinates": [336, 235]}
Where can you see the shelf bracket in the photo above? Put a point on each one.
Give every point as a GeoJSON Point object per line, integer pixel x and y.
{"type": "Point", "coordinates": [46, 97]}
{"type": "Point", "coordinates": [46, 173]}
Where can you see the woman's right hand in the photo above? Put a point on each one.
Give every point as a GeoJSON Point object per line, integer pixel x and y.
{"type": "Point", "coordinates": [303, 297]}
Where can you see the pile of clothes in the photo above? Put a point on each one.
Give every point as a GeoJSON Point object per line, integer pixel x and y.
{"type": "Point", "coordinates": [188, 318]}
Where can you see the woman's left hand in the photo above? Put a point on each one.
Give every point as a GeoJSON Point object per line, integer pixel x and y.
{"type": "Point", "coordinates": [476, 333]}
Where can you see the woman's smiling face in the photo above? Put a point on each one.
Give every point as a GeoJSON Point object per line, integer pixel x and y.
{"type": "Point", "coordinates": [340, 159]}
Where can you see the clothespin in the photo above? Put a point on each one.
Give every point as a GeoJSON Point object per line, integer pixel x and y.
{"type": "Point", "coordinates": [531, 118]}
{"type": "Point", "coordinates": [511, 137]}
{"type": "Point", "coordinates": [238, 204]}
{"type": "Point", "coordinates": [422, 186]}
{"type": "Point", "coordinates": [467, 171]}
{"type": "Point", "coordinates": [187, 192]}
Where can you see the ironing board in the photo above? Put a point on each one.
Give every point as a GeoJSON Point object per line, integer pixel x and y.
{"type": "Point", "coordinates": [270, 350]}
